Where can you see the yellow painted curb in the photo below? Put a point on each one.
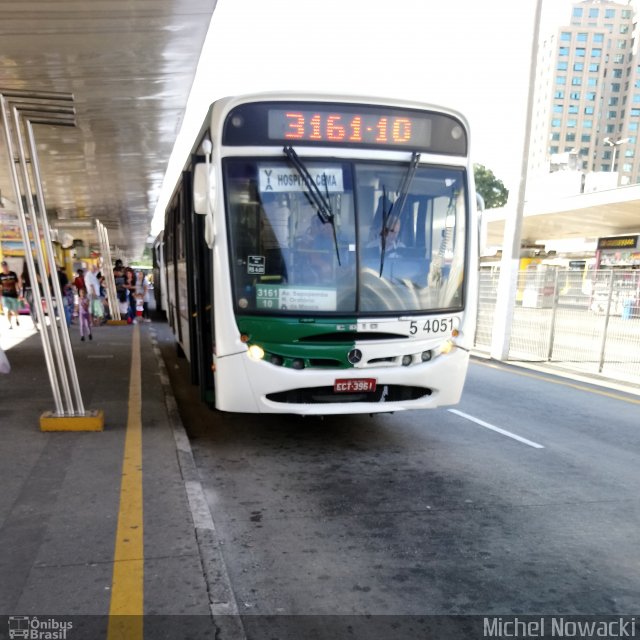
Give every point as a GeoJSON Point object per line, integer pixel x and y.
{"type": "Point", "coordinates": [116, 322]}
{"type": "Point", "coordinates": [91, 421]}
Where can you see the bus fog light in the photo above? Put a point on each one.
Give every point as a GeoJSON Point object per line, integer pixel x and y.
{"type": "Point", "coordinates": [446, 347]}
{"type": "Point", "coordinates": [406, 360]}
{"type": "Point", "coordinates": [277, 360]}
{"type": "Point", "coordinates": [255, 352]}
{"type": "Point", "coordinates": [298, 363]}
{"type": "Point", "coordinates": [426, 356]}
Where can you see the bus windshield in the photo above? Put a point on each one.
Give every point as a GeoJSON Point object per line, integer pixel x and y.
{"type": "Point", "coordinates": [388, 246]}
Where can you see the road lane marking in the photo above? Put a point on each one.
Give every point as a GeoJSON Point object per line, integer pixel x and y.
{"type": "Point", "coordinates": [127, 588]}
{"type": "Point", "coordinates": [546, 378]}
{"type": "Point", "coordinates": [504, 432]}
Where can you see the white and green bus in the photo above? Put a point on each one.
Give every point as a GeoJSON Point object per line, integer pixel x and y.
{"type": "Point", "coordinates": [320, 255]}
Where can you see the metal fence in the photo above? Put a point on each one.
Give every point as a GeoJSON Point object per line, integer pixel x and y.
{"type": "Point", "coordinates": [586, 321]}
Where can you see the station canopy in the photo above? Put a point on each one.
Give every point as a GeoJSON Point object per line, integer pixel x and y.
{"type": "Point", "coordinates": [130, 65]}
{"type": "Point", "coordinates": [589, 215]}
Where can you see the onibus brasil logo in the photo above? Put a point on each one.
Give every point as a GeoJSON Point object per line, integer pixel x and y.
{"type": "Point", "coordinates": [34, 628]}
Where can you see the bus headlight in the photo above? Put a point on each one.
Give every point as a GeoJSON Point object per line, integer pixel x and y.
{"type": "Point", "coordinates": [406, 360]}
{"type": "Point", "coordinates": [255, 352]}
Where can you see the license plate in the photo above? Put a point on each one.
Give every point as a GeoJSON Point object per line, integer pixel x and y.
{"type": "Point", "coordinates": [351, 385]}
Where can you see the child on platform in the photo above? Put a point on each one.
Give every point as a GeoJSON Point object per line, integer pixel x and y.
{"type": "Point", "coordinates": [84, 314]}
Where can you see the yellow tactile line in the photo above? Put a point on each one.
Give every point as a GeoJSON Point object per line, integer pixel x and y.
{"type": "Point", "coordinates": [579, 387]}
{"type": "Point", "coordinates": [127, 588]}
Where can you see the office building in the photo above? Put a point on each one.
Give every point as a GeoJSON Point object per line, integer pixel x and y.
{"type": "Point", "coordinates": [587, 101]}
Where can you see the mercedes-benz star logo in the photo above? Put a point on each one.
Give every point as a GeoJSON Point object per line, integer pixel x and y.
{"type": "Point", "coordinates": [354, 356]}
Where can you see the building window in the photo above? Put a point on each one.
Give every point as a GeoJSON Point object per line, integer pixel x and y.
{"type": "Point", "coordinates": [594, 66]}
{"type": "Point", "coordinates": [584, 151]}
{"type": "Point", "coordinates": [578, 66]}
{"type": "Point", "coordinates": [605, 167]}
{"type": "Point", "coordinates": [585, 137]}
{"type": "Point", "coordinates": [557, 108]}
{"type": "Point", "coordinates": [633, 126]}
{"type": "Point", "coordinates": [613, 101]}
{"type": "Point", "coordinates": [588, 111]}
{"type": "Point", "coordinates": [606, 155]}
{"type": "Point", "coordinates": [596, 53]}
{"type": "Point", "coordinates": [609, 13]}
{"type": "Point", "coordinates": [626, 14]}
{"type": "Point", "coordinates": [556, 122]}
{"type": "Point", "coordinates": [562, 66]}
{"type": "Point", "coordinates": [611, 128]}
{"type": "Point", "coordinates": [635, 113]}
{"type": "Point", "coordinates": [555, 136]}
{"type": "Point", "coordinates": [618, 58]}
{"type": "Point", "coordinates": [553, 149]}
{"type": "Point", "coordinates": [581, 37]}
{"type": "Point", "coordinates": [580, 52]}
{"type": "Point", "coordinates": [591, 96]}
{"type": "Point", "coordinates": [617, 73]}
{"type": "Point", "coordinates": [636, 98]}
{"type": "Point", "coordinates": [598, 37]}
{"type": "Point", "coordinates": [592, 82]}
{"type": "Point", "coordinates": [594, 13]}
{"type": "Point", "coordinates": [627, 167]}
{"type": "Point", "coordinates": [565, 36]}
{"type": "Point", "coordinates": [615, 87]}
{"type": "Point", "coordinates": [587, 124]}
{"type": "Point", "coordinates": [573, 108]}
{"type": "Point", "coordinates": [629, 153]}
{"type": "Point", "coordinates": [612, 114]}
{"type": "Point", "coordinates": [561, 79]}
{"type": "Point", "coordinates": [577, 12]}
{"type": "Point", "coordinates": [570, 137]}
{"type": "Point", "coordinates": [624, 28]}
{"type": "Point", "coordinates": [558, 95]}
{"type": "Point", "coordinates": [622, 44]}
{"type": "Point", "coordinates": [576, 81]}
{"type": "Point", "coordinates": [571, 124]}
{"type": "Point", "coordinates": [563, 51]}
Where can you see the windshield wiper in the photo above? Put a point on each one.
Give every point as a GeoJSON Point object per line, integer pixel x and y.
{"type": "Point", "coordinates": [389, 219]}
{"type": "Point", "coordinates": [314, 195]}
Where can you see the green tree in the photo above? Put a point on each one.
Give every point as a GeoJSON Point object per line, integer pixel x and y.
{"type": "Point", "coordinates": [492, 189]}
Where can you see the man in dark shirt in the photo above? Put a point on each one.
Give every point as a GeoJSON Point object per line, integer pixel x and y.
{"type": "Point", "coordinates": [9, 287]}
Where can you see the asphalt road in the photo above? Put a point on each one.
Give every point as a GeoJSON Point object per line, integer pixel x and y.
{"type": "Point", "coordinates": [430, 512]}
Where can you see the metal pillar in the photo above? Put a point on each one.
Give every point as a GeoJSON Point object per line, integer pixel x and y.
{"type": "Point", "coordinates": [105, 250]}
{"type": "Point", "coordinates": [42, 108]}
{"type": "Point", "coordinates": [509, 266]}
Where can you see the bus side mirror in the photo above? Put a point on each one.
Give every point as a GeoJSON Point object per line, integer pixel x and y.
{"type": "Point", "coordinates": [204, 188]}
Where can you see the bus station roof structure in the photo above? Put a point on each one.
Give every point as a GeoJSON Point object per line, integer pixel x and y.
{"type": "Point", "coordinates": [130, 65]}
{"type": "Point", "coordinates": [587, 215]}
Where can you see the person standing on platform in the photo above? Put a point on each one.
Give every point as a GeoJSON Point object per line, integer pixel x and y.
{"type": "Point", "coordinates": [142, 294]}
{"type": "Point", "coordinates": [9, 286]}
{"type": "Point", "coordinates": [93, 293]}
{"type": "Point", "coordinates": [84, 315]}
{"type": "Point", "coordinates": [27, 294]}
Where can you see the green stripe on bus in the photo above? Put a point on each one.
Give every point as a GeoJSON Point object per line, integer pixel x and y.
{"type": "Point", "coordinates": [319, 342]}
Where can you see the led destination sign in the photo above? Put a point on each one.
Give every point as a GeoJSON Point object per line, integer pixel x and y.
{"type": "Point", "coordinates": [335, 126]}
{"type": "Point", "coordinates": [346, 125]}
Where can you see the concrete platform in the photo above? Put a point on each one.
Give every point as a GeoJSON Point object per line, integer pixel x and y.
{"type": "Point", "coordinates": [61, 492]}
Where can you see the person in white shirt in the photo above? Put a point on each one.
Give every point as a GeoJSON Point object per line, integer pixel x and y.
{"type": "Point", "coordinates": [92, 284]}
